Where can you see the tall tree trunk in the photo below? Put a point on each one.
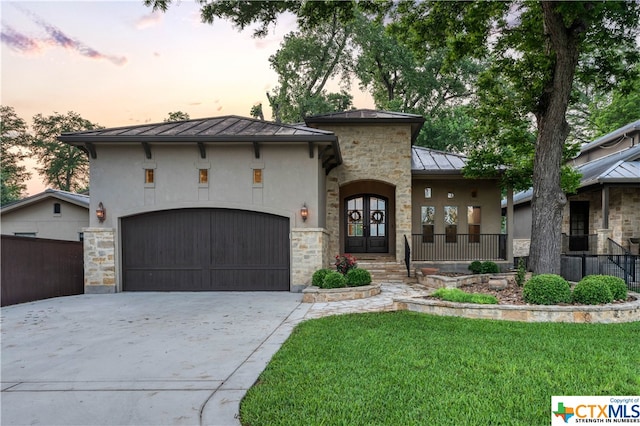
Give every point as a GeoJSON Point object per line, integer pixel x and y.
{"type": "Point", "coordinates": [548, 199]}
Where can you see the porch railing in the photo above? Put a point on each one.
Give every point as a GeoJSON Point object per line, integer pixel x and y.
{"type": "Point", "coordinates": [458, 247]}
{"type": "Point", "coordinates": [576, 244]}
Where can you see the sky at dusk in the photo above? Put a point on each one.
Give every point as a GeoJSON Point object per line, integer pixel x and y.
{"type": "Point", "coordinates": [118, 63]}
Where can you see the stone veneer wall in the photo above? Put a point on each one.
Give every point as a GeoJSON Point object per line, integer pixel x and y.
{"type": "Point", "coordinates": [624, 213]}
{"type": "Point", "coordinates": [309, 252]}
{"type": "Point", "coordinates": [99, 260]}
{"type": "Point", "coordinates": [372, 152]}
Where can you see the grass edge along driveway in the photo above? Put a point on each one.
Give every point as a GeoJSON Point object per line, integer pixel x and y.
{"type": "Point", "coordinates": [405, 368]}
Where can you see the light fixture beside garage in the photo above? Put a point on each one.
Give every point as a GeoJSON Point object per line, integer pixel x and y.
{"type": "Point", "coordinates": [101, 212]}
{"type": "Point", "coordinates": [304, 212]}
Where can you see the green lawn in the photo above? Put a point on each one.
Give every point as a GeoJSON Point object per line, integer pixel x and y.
{"type": "Point", "coordinates": [404, 368]}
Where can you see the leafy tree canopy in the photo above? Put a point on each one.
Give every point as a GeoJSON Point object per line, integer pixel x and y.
{"type": "Point", "coordinates": [176, 116]}
{"type": "Point", "coordinates": [63, 166]}
{"type": "Point", "coordinates": [14, 139]}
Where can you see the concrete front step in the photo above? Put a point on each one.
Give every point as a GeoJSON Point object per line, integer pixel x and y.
{"type": "Point", "coordinates": [388, 271]}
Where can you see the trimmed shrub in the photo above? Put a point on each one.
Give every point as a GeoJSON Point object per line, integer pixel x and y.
{"type": "Point", "coordinates": [358, 277]}
{"type": "Point", "coordinates": [318, 277]}
{"type": "Point", "coordinates": [616, 285]}
{"type": "Point", "coordinates": [547, 289]}
{"type": "Point", "coordinates": [489, 267]}
{"type": "Point", "coordinates": [475, 267]}
{"type": "Point", "coordinates": [459, 296]}
{"type": "Point", "coordinates": [334, 279]}
{"type": "Point", "coordinates": [593, 290]}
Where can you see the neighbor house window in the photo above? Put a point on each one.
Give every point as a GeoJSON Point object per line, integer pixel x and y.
{"type": "Point", "coordinates": [57, 209]}
{"type": "Point", "coordinates": [428, 214]}
{"type": "Point", "coordinates": [149, 176]}
{"type": "Point", "coordinates": [450, 195]}
{"type": "Point", "coordinates": [451, 224]}
{"type": "Point", "coordinates": [473, 221]}
{"type": "Point", "coordinates": [25, 234]}
{"type": "Point", "coordinates": [427, 193]}
{"type": "Point", "coordinates": [203, 176]}
{"type": "Point", "coordinates": [80, 236]}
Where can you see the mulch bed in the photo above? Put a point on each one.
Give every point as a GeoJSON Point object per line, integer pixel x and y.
{"type": "Point", "coordinates": [512, 293]}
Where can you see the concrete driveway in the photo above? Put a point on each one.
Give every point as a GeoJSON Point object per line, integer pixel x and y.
{"type": "Point", "coordinates": [139, 358]}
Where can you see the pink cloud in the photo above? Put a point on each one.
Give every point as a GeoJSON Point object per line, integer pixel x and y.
{"type": "Point", "coordinates": [150, 20]}
{"type": "Point", "coordinates": [18, 41]}
{"type": "Point", "coordinates": [55, 38]}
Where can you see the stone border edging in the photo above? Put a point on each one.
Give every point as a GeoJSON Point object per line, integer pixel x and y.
{"type": "Point", "coordinates": [613, 313]}
{"type": "Point", "coordinates": [313, 294]}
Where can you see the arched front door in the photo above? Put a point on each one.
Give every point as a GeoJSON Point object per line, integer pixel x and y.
{"type": "Point", "coordinates": [366, 224]}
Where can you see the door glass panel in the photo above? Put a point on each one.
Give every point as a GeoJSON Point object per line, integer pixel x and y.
{"type": "Point", "coordinates": [451, 224]}
{"type": "Point", "coordinates": [428, 214]}
{"type": "Point", "coordinates": [473, 220]}
{"type": "Point", "coordinates": [355, 217]}
{"type": "Point", "coordinates": [377, 217]}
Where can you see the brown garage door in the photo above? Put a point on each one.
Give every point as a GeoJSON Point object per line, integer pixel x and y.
{"type": "Point", "coordinates": [205, 249]}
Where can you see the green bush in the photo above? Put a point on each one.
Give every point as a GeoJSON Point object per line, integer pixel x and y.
{"type": "Point", "coordinates": [489, 267]}
{"type": "Point", "coordinates": [616, 285]}
{"type": "Point", "coordinates": [547, 289]}
{"type": "Point", "coordinates": [334, 279]}
{"type": "Point", "coordinates": [318, 277]}
{"type": "Point", "coordinates": [475, 267]}
{"type": "Point", "coordinates": [522, 273]}
{"type": "Point", "coordinates": [358, 277]}
{"type": "Point", "coordinates": [592, 290]}
{"type": "Point", "coordinates": [457, 295]}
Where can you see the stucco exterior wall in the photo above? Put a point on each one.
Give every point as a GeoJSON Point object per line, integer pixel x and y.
{"type": "Point", "coordinates": [482, 193]}
{"type": "Point", "coordinates": [40, 219]}
{"type": "Point", "coordinates": [380, 153]}
{"type": "Point", "coordinates": [290, 179]}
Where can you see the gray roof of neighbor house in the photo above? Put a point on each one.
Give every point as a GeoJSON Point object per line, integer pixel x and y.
{"type": "Point", "coordinates": [614, 136]}
{"type": "Point", "coordinates": [225, 129]}
{"type": "Point", "coordinates": [369, 116]}
{"type": "Point", "coordinates": [619, 167]}
{"type": "Point", "coordinates": [80, 200]}
{"type": "Point", "coordinates": [426, 161]}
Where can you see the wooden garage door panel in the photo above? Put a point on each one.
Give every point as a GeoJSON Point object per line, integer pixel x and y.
{"type": "Point", "coordinates": [164, 280]}
{"type": "Point", "coordinates": [205, 249]}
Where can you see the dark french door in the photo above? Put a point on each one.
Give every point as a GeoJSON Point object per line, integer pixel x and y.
{"type": "Point", "coordinates": [366, 224]}
{"type": "Point", "coordinates": [579, 226]}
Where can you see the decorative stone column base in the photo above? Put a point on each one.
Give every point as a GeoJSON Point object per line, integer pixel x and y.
{"type": "Point", "coordinates": [603, 244]}
{"type": "Point", "coordinates": [309, 252]}
{"type": "Point", "coordinates": [99, 261]}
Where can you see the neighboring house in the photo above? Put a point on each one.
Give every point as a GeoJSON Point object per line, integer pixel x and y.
{"type": "Point", "coordinates": [607, 204]}
{"type": "Point", "coordinates": [53, 214]}
{"type": "Point", "coordinates": [233, 203]}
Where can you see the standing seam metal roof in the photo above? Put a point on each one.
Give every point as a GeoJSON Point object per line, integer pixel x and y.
{"type": "Point", "coordinates": [431, 161]}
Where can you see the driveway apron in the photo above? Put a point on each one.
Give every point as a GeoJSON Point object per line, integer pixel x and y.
{"type": "Point", "coordinates": [139, 358]}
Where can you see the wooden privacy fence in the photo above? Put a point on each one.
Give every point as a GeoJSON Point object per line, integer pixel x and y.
{"type": "Point", "coordinates": [36, 268]}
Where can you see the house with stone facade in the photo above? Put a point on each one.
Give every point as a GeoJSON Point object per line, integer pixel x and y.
{"type": "Point", "coordinates": [52, 214]}
{"type": "Point", "coordinates": [233, 203]}
{"type": "Point", "coordinates": [605, 211]}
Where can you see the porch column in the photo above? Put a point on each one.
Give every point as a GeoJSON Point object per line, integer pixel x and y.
{"type": "Point", "coordinates": [309, 252]}
{"type": "Point", "coordinates": [603, 236]}
{"type": "Point", "coordinates": [99, 260]}
{"type": "Point", "coordinates": [510, 225]}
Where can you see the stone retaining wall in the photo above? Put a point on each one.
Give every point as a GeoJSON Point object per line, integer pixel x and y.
{"type": "Point", "coordinates": [315, 294]}
{"type": "Point", "coordinates": [613, 313]}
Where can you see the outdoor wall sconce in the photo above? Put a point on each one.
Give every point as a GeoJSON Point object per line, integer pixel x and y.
{"type": "Point", "coordinates": [304, 212]}
{"type": "Point", "coordinates": [101, 212]}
